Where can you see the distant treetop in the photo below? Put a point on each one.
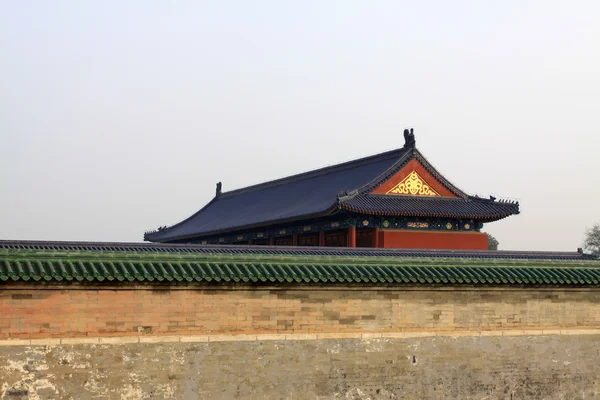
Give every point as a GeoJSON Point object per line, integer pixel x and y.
{"type": "Point", "coordinates": [592, 240]}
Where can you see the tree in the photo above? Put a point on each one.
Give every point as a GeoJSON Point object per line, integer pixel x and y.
{"type": "Point", "coordinates": [592, 240]}
{"type": "Point", "coordinates": [492, 242]}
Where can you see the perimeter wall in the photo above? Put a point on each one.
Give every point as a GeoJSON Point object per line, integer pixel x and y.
{"type": "Point", "coordinates": [154, 342]}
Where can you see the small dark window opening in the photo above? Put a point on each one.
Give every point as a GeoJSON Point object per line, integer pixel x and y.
{"type": "Point", "coordinates": [308, 240]}
{"type": "Point", "coordinates": [336, 238]}
{"type": "Point", "coordinates": [284, 241]}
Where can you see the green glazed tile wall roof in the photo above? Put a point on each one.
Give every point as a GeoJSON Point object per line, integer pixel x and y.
{"type": "Point", "coordinates": [260, 269]}
{"type": "Point", "coordinates": [288, 250]}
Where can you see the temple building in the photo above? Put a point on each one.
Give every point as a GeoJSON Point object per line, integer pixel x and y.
{"type": "Point", "coordinates": [395, 199]}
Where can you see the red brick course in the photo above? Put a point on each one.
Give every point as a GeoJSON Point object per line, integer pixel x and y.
{"type": "Point", "coordinates": [30, 312]}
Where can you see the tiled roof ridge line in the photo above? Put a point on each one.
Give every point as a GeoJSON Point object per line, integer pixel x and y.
{"type": "Point", "coordinates": [465, 259]}
{"type": "Point", "coordinates": [316, 172]}
{"type": "Point", "coordinates": [411, 153]}
{"type": "Point", "coordinates": [398, 165]}
{"type": "Point", "coordinates": [355, 201]}
{"type": "Point", "coordinates": [161, 248]}
{"type": "Point", "coordinates": [285, 259]}
{"type": "Point", "coordinates": [436, 174]}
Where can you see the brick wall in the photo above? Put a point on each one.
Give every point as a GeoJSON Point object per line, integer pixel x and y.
{"type": "Point", "coordinates": [28, 312]}
{"type": "Point", "coordinates": [518, 368]}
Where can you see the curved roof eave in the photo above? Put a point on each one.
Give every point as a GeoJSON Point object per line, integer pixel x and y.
{"type": "Point", "coordinates": [167, 239]}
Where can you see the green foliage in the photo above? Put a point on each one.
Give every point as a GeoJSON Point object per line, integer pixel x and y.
{"type": "Point", "coordinates": [592, 240]}
{"type": "Point", "coordinates": [492, 242]}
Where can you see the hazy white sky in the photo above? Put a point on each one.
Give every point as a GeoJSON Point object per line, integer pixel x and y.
{"type": "Point", "coordinates": [119, 116]}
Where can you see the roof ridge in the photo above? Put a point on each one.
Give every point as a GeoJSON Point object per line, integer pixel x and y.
{"type": "Point", "coordinates": [438, 175]}
{"type": "Point", "coordinates": [410, 154]}
{"type": "Point", "coordinates": [171, 248]}
{"type": "Point", "coordinates": [315, 172]}
{"type": "Point", "coordinates": [387, 174]}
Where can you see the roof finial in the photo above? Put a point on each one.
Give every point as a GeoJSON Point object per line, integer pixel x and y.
{"type": "Point", "coordinates": [409, 138]}
{"type": "Point", "coordinates": [219, 185]}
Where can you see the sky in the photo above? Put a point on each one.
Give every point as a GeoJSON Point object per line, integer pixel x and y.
{"type": "Point", "coordinates": [117, 117]}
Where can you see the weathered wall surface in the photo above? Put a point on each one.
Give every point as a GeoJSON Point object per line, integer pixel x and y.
{"type": "Point", "coordinates": [26, 312]}
{"type": "Point", "coordinates": [144, 342]}
{"type": "Point", "coordinates": [488, 367]}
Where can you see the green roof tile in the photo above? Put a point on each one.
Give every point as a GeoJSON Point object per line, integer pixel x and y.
{"type": "Point", "coordinates": [127, 266]}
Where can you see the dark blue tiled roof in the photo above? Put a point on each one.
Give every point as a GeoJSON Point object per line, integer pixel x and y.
{"type": "Point", "coordinates": [411, 206]}
{"type": "Point", "coordinates": [321, 192]}
{"type": "Point", "coordinates": [299, 196]}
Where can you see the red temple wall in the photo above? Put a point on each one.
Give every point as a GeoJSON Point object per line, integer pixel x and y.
{"type": "Point", "coordinates": [433, 240]}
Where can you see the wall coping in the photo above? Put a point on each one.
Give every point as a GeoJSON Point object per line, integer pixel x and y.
{"type": "Point", "coordinates": [294, 287]}
{"type": "Point", "coordinates": [115, 340]}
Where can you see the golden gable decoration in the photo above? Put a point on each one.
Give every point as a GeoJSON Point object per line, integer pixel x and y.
{"type": "Point", "coordinates": [413, 185]}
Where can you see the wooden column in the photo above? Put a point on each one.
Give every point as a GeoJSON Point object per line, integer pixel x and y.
{"type": "Point", "coordinates": [376, 237]}
{"type": "Point", "coordinates": [322, 238]}
{"type": "Point", "coordinates": [352, 236]}
{"type": "Point", "coordinates": [295, 239]}
{"type": "Point", "coordinates": [272, 241]}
